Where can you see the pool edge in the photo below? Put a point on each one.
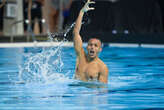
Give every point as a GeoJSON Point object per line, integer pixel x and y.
{"type": "Point", "coordinates": [70, 44]}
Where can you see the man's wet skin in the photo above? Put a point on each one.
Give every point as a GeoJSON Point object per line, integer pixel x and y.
{"type": "Point", "coordinates": [94, 47]}
{"type": "Point", "coordinates": [88, 65]}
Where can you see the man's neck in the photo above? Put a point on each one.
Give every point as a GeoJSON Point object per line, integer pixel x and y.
{"type": "Point", "coordinates": [89, 59]}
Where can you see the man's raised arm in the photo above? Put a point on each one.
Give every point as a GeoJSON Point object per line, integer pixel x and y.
{"type": "Point", "coordinates": [76, 32]}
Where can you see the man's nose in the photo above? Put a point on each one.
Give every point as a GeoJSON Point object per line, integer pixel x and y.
{"type": "Point", "coordinates": [92, 46]}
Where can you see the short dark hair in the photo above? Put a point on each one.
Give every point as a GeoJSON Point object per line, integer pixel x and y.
{"type": "Point", "coordinates": [96, 39]}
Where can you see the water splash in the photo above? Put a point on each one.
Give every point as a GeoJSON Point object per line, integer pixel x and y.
{"type": "Point", "coordinates": [46, 65]}
{"type": "Point", "coordinates": [42, 67]}
{"type": "Point", "coordinates": [62, 34]}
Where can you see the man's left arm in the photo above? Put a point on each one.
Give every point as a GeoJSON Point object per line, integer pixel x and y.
{"type": "Point", "coordinates": [104, 74]}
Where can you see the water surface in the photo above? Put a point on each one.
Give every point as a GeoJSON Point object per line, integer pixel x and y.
{"type": "Point", "coordinates": [41, 79]}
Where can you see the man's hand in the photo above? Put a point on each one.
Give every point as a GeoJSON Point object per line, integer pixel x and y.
{"type": "Point", "coordinates": [86, 7]}
{"type": "Point", "coordinates": [76, 32]}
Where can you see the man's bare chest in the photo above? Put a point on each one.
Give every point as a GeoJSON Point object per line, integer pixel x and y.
{"type": "Point", "coordinates": [89, 70]}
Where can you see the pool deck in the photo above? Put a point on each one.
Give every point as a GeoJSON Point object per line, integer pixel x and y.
{"type": "Point", "coordinates": [70, 44]}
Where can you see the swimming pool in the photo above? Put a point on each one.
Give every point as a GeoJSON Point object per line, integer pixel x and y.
{"type": "Point", "coordinates": [41, 79]}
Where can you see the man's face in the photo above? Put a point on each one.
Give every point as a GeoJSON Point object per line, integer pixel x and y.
{"type": "Point", "coordinates": [94, 47]}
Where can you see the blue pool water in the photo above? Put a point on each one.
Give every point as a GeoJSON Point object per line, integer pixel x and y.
{"type": "Point", "coordinates": [42, 79]}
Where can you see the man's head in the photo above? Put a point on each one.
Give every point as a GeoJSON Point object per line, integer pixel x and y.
{"type": "Point", "coordinates": [93, 47]}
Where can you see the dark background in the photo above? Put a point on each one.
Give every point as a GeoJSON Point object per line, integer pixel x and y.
{"type": "Point", "coordinates": [144, 20]}
{"type": "Point", "coordinates": [136, 16]}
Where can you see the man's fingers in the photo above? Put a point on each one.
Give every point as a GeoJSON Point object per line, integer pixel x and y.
{"type": "Point", "coordinates": [86, 7]}
{"type": "Point", "coordinates": [91, 8]}
{"type": "Point", "coordinates": [91, 2]}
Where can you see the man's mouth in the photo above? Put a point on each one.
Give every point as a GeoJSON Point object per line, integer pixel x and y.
{"type": "Point", "coordinates": [91, 52]}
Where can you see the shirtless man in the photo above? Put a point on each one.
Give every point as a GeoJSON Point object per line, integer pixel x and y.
{"type": "Point", "coordinates": [88, 66]}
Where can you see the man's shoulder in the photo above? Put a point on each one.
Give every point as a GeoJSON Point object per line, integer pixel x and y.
{"type": "Point", "coordinates": [102, 64]}
{"type": "Point", "coordinates": [103, 68]}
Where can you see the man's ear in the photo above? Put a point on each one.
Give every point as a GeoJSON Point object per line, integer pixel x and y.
{"type": "Point", "coordinates": [100, 49]}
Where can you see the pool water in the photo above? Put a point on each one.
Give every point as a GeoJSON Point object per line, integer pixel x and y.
{"type": "Point", "coordinates": [42, 79]}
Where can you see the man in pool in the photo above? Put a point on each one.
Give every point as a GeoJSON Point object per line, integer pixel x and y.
{"type": "Point", "coordinates": [88, 66]}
